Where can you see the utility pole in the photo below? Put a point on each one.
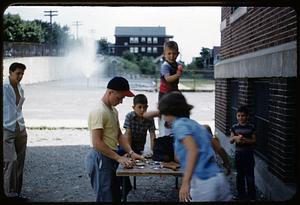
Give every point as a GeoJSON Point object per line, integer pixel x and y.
{"type": "Point", "coordinates": [77, 23]}
{"type": "Point", "coordinates": [51, 13]}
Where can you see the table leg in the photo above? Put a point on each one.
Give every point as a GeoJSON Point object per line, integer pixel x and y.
{"type": "Point", "coordinates": [134, 182]}
{"type": "Point", "coordinates": [176, 182]}
{"type": "Point", "coordinates": [124, 189]}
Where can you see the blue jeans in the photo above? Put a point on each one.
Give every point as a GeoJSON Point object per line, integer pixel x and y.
{"type": "Point", "coordinates": [245, 171]}
{"type": "Point", "coordinates": [102, 173]}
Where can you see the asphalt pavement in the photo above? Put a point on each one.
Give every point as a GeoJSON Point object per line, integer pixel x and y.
{"type": "Point", "coordinates": [56, 117]}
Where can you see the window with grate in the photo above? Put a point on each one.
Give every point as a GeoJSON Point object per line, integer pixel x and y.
{"type": "Point", "coordinates": [261, 116]}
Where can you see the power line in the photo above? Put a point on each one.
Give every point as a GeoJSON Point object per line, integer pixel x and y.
{"type": "Point", "coordinates": [50, 13]}
{"type": "Point", "coordinates": [77, 24]}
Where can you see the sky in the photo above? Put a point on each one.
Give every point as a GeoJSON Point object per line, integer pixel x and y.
{"type": "Point", "coordinates": [193, 27]}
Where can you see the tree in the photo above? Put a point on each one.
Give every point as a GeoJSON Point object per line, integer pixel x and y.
{"type": "Point", "coordinates": [129, 56]}
{"type": "Point", "coordinates": [33, 32]}
{"type": "Point", "coordinates": [147, 66]}
{"type": "Point", "coordinates": [12, 28]}
{"type": "Point", "coordinates": [103, 46]}
{"type": "Point", "coordinates": [205, 56]}
{"type": "Point", "coordinates": [197, 63]}
{"type": "Point", "coordinates": [36, 31]}
{"type": "Point", "coordinates": [59, 34]}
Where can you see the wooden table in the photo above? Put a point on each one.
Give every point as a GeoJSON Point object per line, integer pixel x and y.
{"type": "Point", "coordinates": [146, 170]}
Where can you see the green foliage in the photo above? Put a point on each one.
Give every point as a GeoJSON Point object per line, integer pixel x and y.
{"type": "Point", "coordinates": [103, 46]}
{"type": "Point", "coordinates": [37, 31]}
{"type": "Point", "coordinates": [138, 63]}
{"type": "Point", "coordinates": [195, 64]}
{"type": "Point", "coordinates": [59, 35]}
{"type": "Point", "coordinates": [12, 29]}
{"type": "Point", "coordinates": [205, 57]}
{"type": "Point", "coordinates": [147, 66]}
{"type": "Point", "coordinates": [129, 56]}
{"type": "Point", "coordinates": [130, 67]}
{"type": "Point", "coordinates": [205, 52]}
{"type": "Point", "coordinates": [33, 32]}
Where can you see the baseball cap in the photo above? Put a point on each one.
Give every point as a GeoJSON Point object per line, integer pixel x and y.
{"type": "Point", "coordinates": [120, 84]}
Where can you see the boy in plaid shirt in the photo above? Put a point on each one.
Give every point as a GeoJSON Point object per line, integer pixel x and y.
{"type": "Point", "coordinates": [137, 126]}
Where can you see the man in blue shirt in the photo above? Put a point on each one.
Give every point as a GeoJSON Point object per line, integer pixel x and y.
{"type": "Point", "coordinates": [14, 133]}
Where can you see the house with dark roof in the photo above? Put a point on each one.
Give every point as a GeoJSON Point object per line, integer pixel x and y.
{"type": "Point", "coordinates": [147, 41]}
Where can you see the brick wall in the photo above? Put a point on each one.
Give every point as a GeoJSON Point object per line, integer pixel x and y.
{"type": "Point", "coordinates": [222, 105]}
{"type": "Point", "coordinates": [225, 13]}
{"type": "Point", "coordinates": [260, 27]}
{"type": "Point", "coordinates": [245, 96]}
{"type": "Point", "coordinates": [223, 101]}
{"type": "Point", "coordinates": [282, 119]}
{"type": "Point", "coordinates": [270, 95]}
{"type": "Point", "coordinates": [282, 127]}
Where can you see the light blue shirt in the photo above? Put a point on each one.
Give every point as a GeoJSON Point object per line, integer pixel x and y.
{"type": "Point", "coordinates": [206, 165]}
{"type": "Point", "coordinates": [12, 113]}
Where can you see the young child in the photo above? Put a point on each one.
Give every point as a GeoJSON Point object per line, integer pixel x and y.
{"type": "Point", "coordinates": [137, 126]}
{"type": "Point", "coordinates": [220, 151]}
{"type": "Point", "coordinates": [243, 135]}
{"type": "Point", "coordinates": [169, 71]}
{"type": "Point", "coordinates": [202, 178]}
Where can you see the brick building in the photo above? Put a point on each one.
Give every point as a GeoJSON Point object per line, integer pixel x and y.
{"type": "Point", "coordinates": [258, 68]}
{"type": "Point", "coordinates": [147, 41]}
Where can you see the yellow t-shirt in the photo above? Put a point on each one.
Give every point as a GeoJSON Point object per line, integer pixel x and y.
{"type": "Point", "coordinates": [107, 119]}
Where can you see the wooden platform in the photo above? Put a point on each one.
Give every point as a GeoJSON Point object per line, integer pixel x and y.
{"type": "Point", "coordinates": [148, 169]}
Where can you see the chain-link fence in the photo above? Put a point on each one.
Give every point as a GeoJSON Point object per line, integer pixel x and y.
{"type": "Point", "coordinates": [23, 49]}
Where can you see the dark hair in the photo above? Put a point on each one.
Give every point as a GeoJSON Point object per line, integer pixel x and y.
{"type": "Point", "coordinates": [16, 65]}
{"type": "Point", "coordinates": [171, 45]}
{"type": "Point", "coordinates": [140, 98]}
{"type": "Point", "coordinates": [174, 103]}
{"type": "Point", "coordinates": [243, 109]}
{"type": "Point", "coordinates": [208, 128]}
